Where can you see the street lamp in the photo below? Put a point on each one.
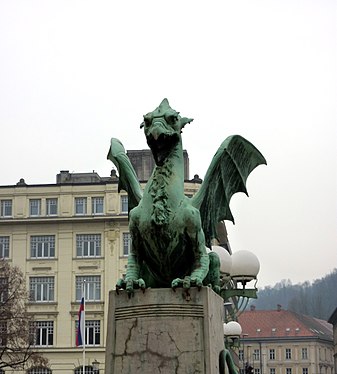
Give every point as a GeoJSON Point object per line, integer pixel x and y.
{"type": "Point", "coordinates": [236, 270]}
{"type": "Point", "coordinates": [239, 268]}
{"type": "Point", "coordinates": [232, 331]}
{"type": "Point", "coordinates": [95, 366]}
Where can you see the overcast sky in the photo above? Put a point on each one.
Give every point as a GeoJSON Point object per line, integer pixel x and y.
{"type": "Point", "coordinates": [73, 74]}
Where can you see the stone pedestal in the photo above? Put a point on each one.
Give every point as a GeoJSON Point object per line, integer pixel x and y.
{"type": "Point", "coordinates": [162, 331]}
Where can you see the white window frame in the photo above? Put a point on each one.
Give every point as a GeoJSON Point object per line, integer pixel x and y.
{"type": "Point", "coordinates": [256, 355]}
{"type": "Point", "coordinates": [124, 204]}
{"type": "Point", "coordinates": [272, 354]}
{"type": "Point", "coordinates": [42, 246]}
{"type": "Point", "coordinates": [81, 204]}
{"type": "Point", "coordinates": [51, 204]}
{"type": "Point", "coordinates": [288, 353]}
{"type": "Point", "coordinates": [89, 369]}
{"type": "Point", "coordinates": [35, 204]}
{"type": "Point", "coordinates": [88, 245]}
{"type": "Point", "coordinates": [39, 370]}
{"type": "Point", "coordinates": [4, 246]}
{"type": "Point", "coordinates": [126, 238]}
{"type": "Point", "coordinates": [304, 353]}
{"type": "Point", "coordinates": [92, 333]}
{"type": "Point", "coordinates": [43, 333]}
{"type": "Point", "coordinates": [272, 371]}
{"type": "Point", "coordinates": [97, 205]}
{"type": "Point", "coordinates": [42, 289]}
{"type": "Point", "coordinates": [6, 208]}
{"type": "Point", "coordinates": [288, 371]}
{"type": "Point", "coordinates": [90, 285]}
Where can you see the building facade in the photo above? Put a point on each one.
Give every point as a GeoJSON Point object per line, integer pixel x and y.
{"type": "Point", "coordinates": [68, 238]}
{"type": "Point", "coordinates": [333, 321]}
{"type": "Point", "coordinates": [284, 342]}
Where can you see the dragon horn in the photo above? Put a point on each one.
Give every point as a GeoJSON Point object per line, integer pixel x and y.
{"type": "Point", "coordinates": [164, 103]}
{"type": "Point", "coordinates": [185, 120]}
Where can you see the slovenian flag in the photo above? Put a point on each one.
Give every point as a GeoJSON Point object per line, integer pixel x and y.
{"type": "Point", "coordinates": [80, 326]}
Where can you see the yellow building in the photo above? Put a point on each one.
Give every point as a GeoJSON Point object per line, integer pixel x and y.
{"type": "Point", "coordinates": [62, 236]}
{"type": "Point", "coordinates": [284, 342]}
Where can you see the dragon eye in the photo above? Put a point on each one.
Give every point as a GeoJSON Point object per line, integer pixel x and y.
{"type": "Point", "coordinates": [171, 118]}
{"type": "Point", "coordinates": [147, 120]}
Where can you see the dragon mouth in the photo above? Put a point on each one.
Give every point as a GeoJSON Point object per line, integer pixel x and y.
{"type": "Point", "coordinates": [162, 146]}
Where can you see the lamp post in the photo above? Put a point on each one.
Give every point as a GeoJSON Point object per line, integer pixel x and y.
{"type": "Point", "coordinates": [243, 351]}
{"type": "Point", "coordinates": [236, 270]}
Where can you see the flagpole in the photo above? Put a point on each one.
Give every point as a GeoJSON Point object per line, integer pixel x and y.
{"type": "Point", "coordinates": [84, 331]}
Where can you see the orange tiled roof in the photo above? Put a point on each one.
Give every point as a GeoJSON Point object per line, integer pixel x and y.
{"type": "Point", "coordinates": [282, 323]}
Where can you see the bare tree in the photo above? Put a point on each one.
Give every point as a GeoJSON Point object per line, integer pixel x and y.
{"type": "Point", "coordinates": [16, 351]}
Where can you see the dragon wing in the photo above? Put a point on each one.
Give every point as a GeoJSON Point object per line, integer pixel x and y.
{"type": "Point", "coordinates": [128, 180]}
{"type": "Point", "coordinates": [226, 175]}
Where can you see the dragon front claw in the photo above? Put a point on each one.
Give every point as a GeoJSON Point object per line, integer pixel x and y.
{"type": "Point", "coordinates": [130, 285]}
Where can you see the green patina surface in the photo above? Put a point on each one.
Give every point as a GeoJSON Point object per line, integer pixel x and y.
{"type": "Point", "coordinates": [170, 231]}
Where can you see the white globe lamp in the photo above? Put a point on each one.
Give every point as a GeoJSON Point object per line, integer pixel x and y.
{"type": "Point", "coordinates": [232, 329]}
{"type": "Point", "coordinates": [225, 259]}
{"type": "Point", "coordinates": [245, 266]}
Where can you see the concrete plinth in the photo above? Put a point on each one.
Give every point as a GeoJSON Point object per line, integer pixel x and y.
{"type": "Point", "coordinates": [162, 331]}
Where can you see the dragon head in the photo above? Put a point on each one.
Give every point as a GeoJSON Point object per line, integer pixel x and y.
{"type": "Point", "coordinates": [162, 129]}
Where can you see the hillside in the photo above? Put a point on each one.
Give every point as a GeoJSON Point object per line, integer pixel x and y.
{"type": "Point", "coordinates": [317, 299]}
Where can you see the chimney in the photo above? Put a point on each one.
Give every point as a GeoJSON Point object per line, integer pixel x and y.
{"type": "Point", "coordinates": [279, 307]}
{"type": "Point", "coordinates": [252, 308]}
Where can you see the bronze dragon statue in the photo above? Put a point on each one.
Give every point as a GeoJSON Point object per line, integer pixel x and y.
{"type": "Point", "coordinates": [170, 231]}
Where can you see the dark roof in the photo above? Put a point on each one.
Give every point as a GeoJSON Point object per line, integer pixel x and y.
{"type": "Point", "coordinates": [282, 324]}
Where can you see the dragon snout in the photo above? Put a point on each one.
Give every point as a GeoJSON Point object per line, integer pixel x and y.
{"type": "Point", "coordinates": [157, 129]}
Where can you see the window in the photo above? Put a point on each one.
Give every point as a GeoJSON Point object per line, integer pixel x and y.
{"type": "Point", "coordinates": [80, 205]}
{"type": "Point", "coordinates": [3, 334]}
{"type": "Point", "coordinates": [288, 370]}
{"type": "Point", "coordinates": [3, 289]}
{"type": "Point", "coordinates": [42, 289]}
{"type": "Point", "coordinates": [92, 332]}
{"type": "Point", "coordinates": [256, 370]}
{"type": "Point", "coordinates": [92, 288]}
{"type": "Point", "coordinates": [42, 246]}
{"type": "Point", "coordinates": [272, 371]}
{"type": "Point", "coordinates": [288, 354]}
{"type": "Point", "coordinates": [271, 354]}
{"type": "Point", "coordinates": [88, 245]}
{"type": "Point", "coordinates": [241, 354]}
{"type": "Point", "coordinates": [4, 246]}
{"type": "Point", "coordinates": [124, 204]}
{"type": "Point", "coordinates": [126, 243]}
{"type": "Point", "coordinates": [35, 207]}
{"type": "Point", "coordinates": [256, 355]}
{"type": "Point", "coordinates": [305, 371]}
{"type": "Point", "coordinates": [51, 207]}
{"type": "Point", "coordinates": [39, 370]}
{"type": "Point", "coordinates": [97, 205]}
{"type": "Point", "coordinates": [304, 353]}
{"type": "Point", "coordinates": [42, 333]}
{"type": "Point", "coordinates": [87, 370]}
{"type": "Point", "coordinates": [6, 208]}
